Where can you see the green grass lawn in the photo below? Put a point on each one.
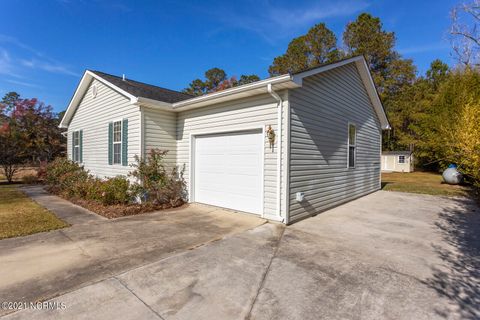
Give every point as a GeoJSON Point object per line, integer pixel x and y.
{"type": "Point", "coordinates": [422, 182]}
{"type": "Point", "coordinates": [20, 216]}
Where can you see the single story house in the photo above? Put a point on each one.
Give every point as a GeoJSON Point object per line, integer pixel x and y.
{"type": "Point", "coordinates": [397, 161]}
{"type": "Point", "coordinates": [284, 148]}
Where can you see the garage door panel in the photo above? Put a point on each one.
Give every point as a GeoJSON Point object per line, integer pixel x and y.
{"type": "Point", "coordinates": [228, 170]}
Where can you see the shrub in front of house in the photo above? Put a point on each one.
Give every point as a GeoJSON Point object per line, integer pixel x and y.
{"type": "Point", "coordinates": [57, 169]}
{"type": "Point", "coordinates": [67, 178]}
{"type": "Point", "coordinates": [159, 187]}
{"type": "Point", "coordinates": [157, 184]}
{"type": "Point", "coordinates": [111, 191]}
{"type": "Point", "coordinates": [115, 191]}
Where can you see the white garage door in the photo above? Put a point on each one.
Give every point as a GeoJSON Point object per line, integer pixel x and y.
{"type": "Point", "coordinates": [228, 170]}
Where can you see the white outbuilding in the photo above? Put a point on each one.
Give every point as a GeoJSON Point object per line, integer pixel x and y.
{"type": "Point", "coordinates": [397, 161]}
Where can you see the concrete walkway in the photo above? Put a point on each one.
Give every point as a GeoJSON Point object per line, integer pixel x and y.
{"type": "Point", "coordinates": [44, 265]}
{"type": "Point", "coordinates": [63, 209]}
{"type": "Point", "coordinates": [385, 256]}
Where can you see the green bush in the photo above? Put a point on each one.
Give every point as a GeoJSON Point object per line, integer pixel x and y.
{"type": "Point", "coordinates": [57, 168]}
{"type": "Point", "coordinates": [30, 179]}
{"type": "Point", "coordinates": [72, 184]}
{"type": "Point", "coordinates": [115, 190]}
{"type": "Point", "coordinates": [174, 190]}
{"type": "Point", "coordinates": [156, 184]}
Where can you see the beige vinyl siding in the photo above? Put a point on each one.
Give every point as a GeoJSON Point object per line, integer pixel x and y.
{"type": "Point", "coordinates": [92, 116]}
{"type": "Point", "coordinates": [160, 132]}
{"type": "Point", "coordinates": [390, 163]}
{"type": "Point", "coordinates": [320, 112]}
{"type": "Point", "coordinates": [259, 111]}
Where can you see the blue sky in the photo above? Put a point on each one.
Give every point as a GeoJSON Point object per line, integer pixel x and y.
{"type": "Point", "coordinates": [46, 45]}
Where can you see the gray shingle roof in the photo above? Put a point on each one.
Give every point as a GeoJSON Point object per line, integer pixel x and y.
{"type": "Point", "coordinates": [400, 152]}
{"type": "Point", "coordinates": [140, 89]}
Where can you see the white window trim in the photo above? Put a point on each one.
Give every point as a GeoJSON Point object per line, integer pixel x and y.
{"type": "Point", "coordinates": [75, 147]}
{"type": "Point", "coordinates": [404, 159]}
{"type": "Point", "coordinates": [348, 146]}
{"type": "Point", "coordinates": [114, 143]}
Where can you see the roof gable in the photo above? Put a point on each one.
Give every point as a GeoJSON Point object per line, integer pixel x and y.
{"type": "Point", "coordinates": [140, 89]}
{"type": "Point", "coordinates": [149, 95]}
{"type": "Point", "coordinates": [133, 90]}
{"type": "Point", "coordinates": [366, 77]}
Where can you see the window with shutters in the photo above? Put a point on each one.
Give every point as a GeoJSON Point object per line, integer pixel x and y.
{"type": "Point", "coordinates": [117, 142]}
{"type": "Point", "coordinates": [352, 147]}
{"type": "Point", "coordinates": [76, 146]}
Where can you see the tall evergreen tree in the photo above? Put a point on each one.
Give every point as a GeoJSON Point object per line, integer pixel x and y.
{"type": "Point", "coordinates": [317, 47]}
{"type": "Point", "coordinates": [366, 36]}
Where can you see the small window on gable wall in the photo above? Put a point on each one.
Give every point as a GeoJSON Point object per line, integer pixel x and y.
{"type": "Point", "coordinates": [117, 142]}
{"type": "Point", "coordinates": [352, 145]}
{"type": "Point", "coordinates": [76, 146]}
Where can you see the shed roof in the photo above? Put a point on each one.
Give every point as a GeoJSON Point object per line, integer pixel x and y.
{"type": "Point", "coordinates": [396, 153]}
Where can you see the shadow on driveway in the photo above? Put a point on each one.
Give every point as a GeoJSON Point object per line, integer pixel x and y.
{"type": "Point", "coordinates": [459, 278]}
{"type": "Point", "coordinates": [44, 265]}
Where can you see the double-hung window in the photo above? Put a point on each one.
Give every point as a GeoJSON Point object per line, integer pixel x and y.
{"type": "Point", "coordinates": [76, 146]}
{"type": "Point", "coordinates": [401, 159]}
{"type": "Point", "coordinates": [352, 147]}
{"type": "Point", "coordinates": [117, 142]}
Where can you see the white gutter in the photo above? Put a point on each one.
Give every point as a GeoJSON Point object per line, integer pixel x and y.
{"type": "Point", "coordinates": [279, 147]}
{"type": "Point", "coordinates": [142, 134]}
{"type": "Point", "coordinates": [227, 92]}
{"type": "Point", "coordinates": [146, 102]}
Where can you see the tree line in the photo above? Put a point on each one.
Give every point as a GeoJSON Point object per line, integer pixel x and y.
{"type": "Point", "coordinates": [436, 115]}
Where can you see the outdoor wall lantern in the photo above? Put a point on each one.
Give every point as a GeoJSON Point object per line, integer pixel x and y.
{"type": "Point", "coordinates": [271, 137]}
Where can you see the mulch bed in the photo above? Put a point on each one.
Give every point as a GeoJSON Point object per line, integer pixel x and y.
{"type": "Point", "coordinates": [118, 210]}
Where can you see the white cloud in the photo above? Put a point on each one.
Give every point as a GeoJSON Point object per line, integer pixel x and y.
{"type": "Point", "coordinates": [424, 48]}
{"type": "Point", "coordinates": [22, 83]}
{"type": "Point", "coordinates": [49, 66]}
{"type": "Point", "coordinates": [16, 42]}
{"type": "Point", "coordinates": [7, 66]}
{"type": "Point", "coordinates": [272, 21]}
{"type": "Point", "coordinates": [36, 60]}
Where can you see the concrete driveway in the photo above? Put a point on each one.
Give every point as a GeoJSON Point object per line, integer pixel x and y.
{"type": "Point", "coordinates": [45, 265]}
{"type": "Point", "coordinates": [385, 256]}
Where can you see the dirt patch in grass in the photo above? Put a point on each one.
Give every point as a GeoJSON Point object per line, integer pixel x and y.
{"type": "Point", "coordinates": [423, 182]}
{"type": "Point", "coordinates": [20, 216]}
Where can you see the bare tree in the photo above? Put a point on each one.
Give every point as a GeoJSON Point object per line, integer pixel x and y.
{"type": "Point", "coordinates": [465, 33]}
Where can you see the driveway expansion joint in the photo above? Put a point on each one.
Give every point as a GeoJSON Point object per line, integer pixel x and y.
{"type": "Point", "coordinates": [265, 274]}
{"type": "Point", "coordinates": [136, 296]}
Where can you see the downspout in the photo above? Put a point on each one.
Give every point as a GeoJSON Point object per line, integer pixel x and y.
{"type": "Point", "coordinates": [279, 145]}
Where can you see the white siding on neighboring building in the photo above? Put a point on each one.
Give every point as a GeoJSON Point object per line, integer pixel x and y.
{"type": "Point", "coordinates": [391, 163]}
{"type": "Point", "coordinates": [93, 116]}
{"type": "Point", "coordinates": [258, 111]}
{"type": "Point", "coordinates": [320, 113]}
{"type": "Point", "coordinates": [160, 132]}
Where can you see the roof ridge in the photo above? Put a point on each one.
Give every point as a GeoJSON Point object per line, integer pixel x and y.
{"type": "Point", "coordinates": [140, 82]}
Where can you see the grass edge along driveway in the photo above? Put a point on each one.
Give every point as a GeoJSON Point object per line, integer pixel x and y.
{"type": "Point", "coordinates": [20, 216]}
{"type": "Point", "coordinates": [423, 183]}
